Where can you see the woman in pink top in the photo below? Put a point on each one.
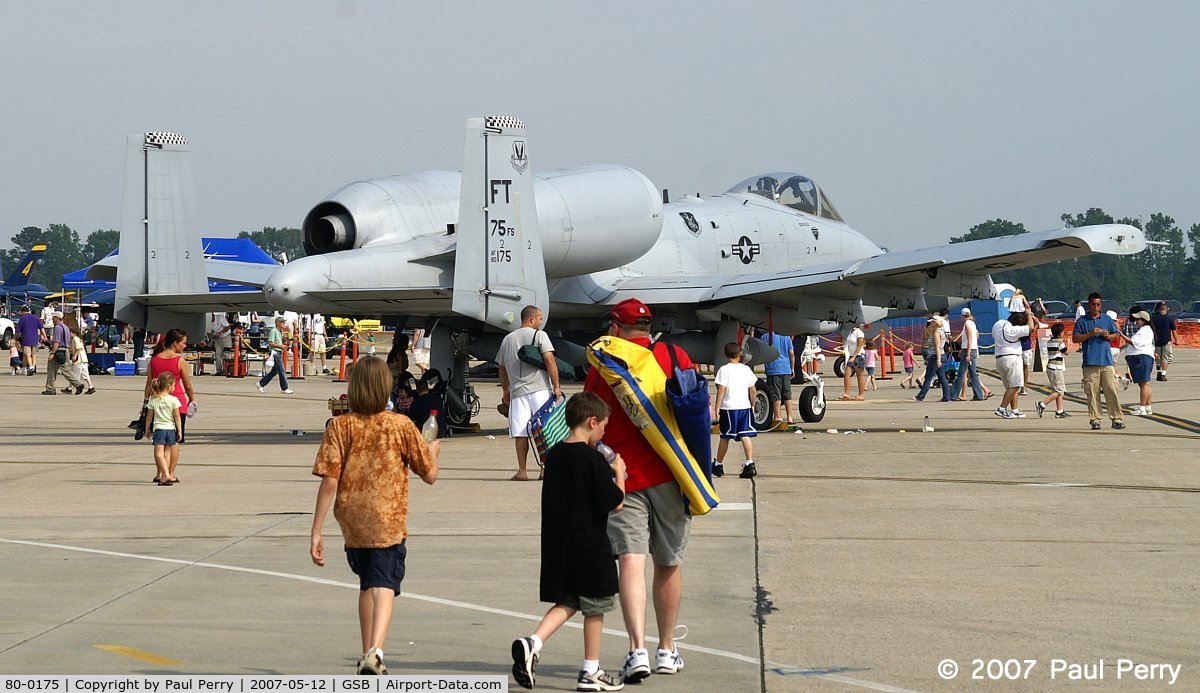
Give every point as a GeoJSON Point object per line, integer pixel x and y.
{"type": "Point", "coordinates": [168, 358]}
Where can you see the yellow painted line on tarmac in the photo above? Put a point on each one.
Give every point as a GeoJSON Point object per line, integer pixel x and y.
{"type": "Point", "coordinates": [140, 655]}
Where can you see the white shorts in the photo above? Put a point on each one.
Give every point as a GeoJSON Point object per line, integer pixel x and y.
{"type": "Point", "coordinates": [318, 343]}
{"type": "Point", "coordinates": [420, 358]}
{"type": "Point", "coordinates": [521, 410]}
{"type": "Point", "coordinates": [1027, 358]}
{"type": "Point", "coordinates": [1011, 372]}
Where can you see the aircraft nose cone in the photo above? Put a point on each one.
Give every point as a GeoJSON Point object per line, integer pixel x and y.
{"type": "Point", "coordinates": [288, 286]}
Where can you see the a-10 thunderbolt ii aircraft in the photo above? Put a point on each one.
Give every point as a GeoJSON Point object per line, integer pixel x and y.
{"type": "Point", "coordinates": [465, 252]}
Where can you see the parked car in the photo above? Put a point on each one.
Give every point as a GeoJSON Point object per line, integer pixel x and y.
{"type": "Point", "coordinates": [1058, 309]}
{"type": "Point", "coordinates": [8, 332]}
{"type": "Point", "coordinates": [1192, 312]}
{"type": "Point", "coordinates": [1150, 305]}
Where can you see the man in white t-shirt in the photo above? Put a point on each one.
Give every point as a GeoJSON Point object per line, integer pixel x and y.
{"type": "Point", "coordinates": [221, 337]}
{"type": "Point", "coordinates": [852, 349]}
{"type": "Point", "coordinates": [420, 349]}
{"type": "Point", "coordinates": [733, 403]}
{"type": "Point", "coordinates": [316, 341]}
{"type": "Point", "coordinates": [1007, 335]}
{"type": "Point", "coordinates": [526, 387]}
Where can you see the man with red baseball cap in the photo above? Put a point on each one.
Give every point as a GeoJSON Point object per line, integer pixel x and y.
{"type": "Point", "coordinates": [654, 520]}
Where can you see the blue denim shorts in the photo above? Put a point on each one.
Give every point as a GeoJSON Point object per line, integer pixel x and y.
{"type": "Point", "coordinates": [166, 436]}
{"type": "Point", "coordinates": [378, 567]}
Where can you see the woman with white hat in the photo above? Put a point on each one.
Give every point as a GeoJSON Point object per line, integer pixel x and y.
{"type": "Point", "coordinates": [1140, 357]}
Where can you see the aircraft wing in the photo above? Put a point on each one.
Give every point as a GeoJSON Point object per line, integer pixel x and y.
{"type": "Point", "coordinates": [205, 302]}
{"type": "Point", "coordinates": [233, 272]}
{"type": "Point", "coordinates": [893, 280]}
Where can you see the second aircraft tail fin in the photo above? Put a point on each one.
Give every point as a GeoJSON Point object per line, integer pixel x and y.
{"type": "Point", "coordinates": [21, 273]}
{"type": "Point", "coordinates": [498, 266]}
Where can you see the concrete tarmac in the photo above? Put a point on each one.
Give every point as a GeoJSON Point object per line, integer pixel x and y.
{"type": "Point", "coordinates": [853, 562]}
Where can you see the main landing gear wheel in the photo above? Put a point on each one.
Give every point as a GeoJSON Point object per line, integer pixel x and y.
{"type": "Point", "coordinates": [839, 366]}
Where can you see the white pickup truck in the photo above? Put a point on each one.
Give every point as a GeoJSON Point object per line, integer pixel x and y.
{"type": "Point", "coordinates": [8, 334]}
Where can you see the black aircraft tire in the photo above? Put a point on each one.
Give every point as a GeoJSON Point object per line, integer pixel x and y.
{"type": "Point", "coordinates": [839, 366]}
{"type": "Point", "coordinates": [812, 408]}
{"type": "Point", "coordinates": [760, 408]}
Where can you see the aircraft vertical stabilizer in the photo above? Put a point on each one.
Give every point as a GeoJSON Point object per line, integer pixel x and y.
{"type": "Point", "coordinates": [498, 266]}
{"type": "Point", "coordinates": [161, 249]}
{"type": "Point", "coordinates": [24, 268]}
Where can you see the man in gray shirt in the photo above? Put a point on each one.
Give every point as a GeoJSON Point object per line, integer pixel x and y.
{"type": "Point", "coordinates": [526, 388]}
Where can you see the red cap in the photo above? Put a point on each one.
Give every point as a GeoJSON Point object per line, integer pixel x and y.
{"type": "Point", "coordinates": [629, 311]}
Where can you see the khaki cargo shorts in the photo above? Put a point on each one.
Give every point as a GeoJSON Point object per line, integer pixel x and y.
{"type": "Point", "coordinates": [652, 522]}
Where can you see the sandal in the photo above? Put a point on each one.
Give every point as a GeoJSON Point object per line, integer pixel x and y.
{"type": "Point", "coordinates": [858, 398]}
{"type": "Point", "coordinates": [844, 398]}
{"type": "Point", "coordinates": [518, 477]}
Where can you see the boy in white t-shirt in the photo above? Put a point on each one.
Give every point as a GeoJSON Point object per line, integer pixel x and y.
{"type": "Point", "coordinates": [735, 392]}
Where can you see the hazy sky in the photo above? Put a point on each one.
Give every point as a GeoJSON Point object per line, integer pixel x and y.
{"type": "Point", "coordinates": [919, 119]}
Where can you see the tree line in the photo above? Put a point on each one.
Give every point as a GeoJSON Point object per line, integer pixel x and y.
{"type": "Point", "coordinates": [67, 252]}
{"type": "Point", "coordinates": [1158, 272]}
{"type": "Point", "coordinates": [1167, 271]}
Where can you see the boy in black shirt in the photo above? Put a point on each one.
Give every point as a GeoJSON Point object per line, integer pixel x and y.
{"type": "Point", "coordinates": [578, 573]}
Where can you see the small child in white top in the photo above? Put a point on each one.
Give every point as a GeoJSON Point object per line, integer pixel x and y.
{"type": "Point", "coordinates": [162, 420]}
{"type": "Point", "coordinates": [732, 407]}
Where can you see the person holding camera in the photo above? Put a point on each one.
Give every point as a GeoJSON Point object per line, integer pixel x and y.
{"type": "Point", "coordinates": [1092, 333]}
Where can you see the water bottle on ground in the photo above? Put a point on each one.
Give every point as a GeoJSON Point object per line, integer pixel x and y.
{"type": "Point", "coordinates": [429, 431]}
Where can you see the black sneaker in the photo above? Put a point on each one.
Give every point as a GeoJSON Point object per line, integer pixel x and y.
{"type": "Point", "coordinates": [49, 391]}
{"type": "Point", "coordinates": [598, 680]}
{"type": "Point", "coordinates": [1041, 408]}
{"type": "Point", "coordinates": [1061, 415]}
{"type": "Point", "coordinates": [718, 469]}
{"type": "Point", "coordinates": [524, 662]}
{"type": "Point", "coordinates": [90, 391]}
{"type": "Point", "coordinates": [1118, 424]}
{"type": "Point", "coordinates": [79, 389]}
{"type": "Point", "coordinates": [1162, 377]}
{"type": "Point", "coordinates": [748, 471]}
{"type": "Point", "coordinates": [1096, 425]}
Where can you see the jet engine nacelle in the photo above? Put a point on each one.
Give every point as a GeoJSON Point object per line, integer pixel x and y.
{"type": "Point", "coordinates": [590, 219]}
{"type": "Point", "coordinates": [595, 218]}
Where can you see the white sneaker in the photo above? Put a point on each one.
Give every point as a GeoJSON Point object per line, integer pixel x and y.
{"type": "Point", "coordinates": [635, 667]}
{"type": "Point", "coordinates": [1003, 413]}
{"type": "Point", "coordinates": [1125, 383]}
{"type": "Point", "coordinates": [1147, 411]}
{"type": "Point", "coordinates": [260, 387]}
{"type": "Point", "coordinates": [1018, 414]}
{"type": "Point", "coordinates": [1138, 411]}
{"type": "Point", "coordinates": [372, 664]}
{"type": "Point", "coordinates": [667, 662]}
{"type": "Point", "coordinates": [287, 391]}
{"type": "Point", "coordinates": [1041, 409]}
{"type": "Point", "coordinates": [597, 681]}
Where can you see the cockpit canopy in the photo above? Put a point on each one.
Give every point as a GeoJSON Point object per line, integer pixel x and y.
{"type": "Point", "coordinates": [791, 190]}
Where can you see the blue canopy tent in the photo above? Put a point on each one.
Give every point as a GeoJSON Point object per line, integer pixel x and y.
{"type": "Point", "coordinates": [234, 249]}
